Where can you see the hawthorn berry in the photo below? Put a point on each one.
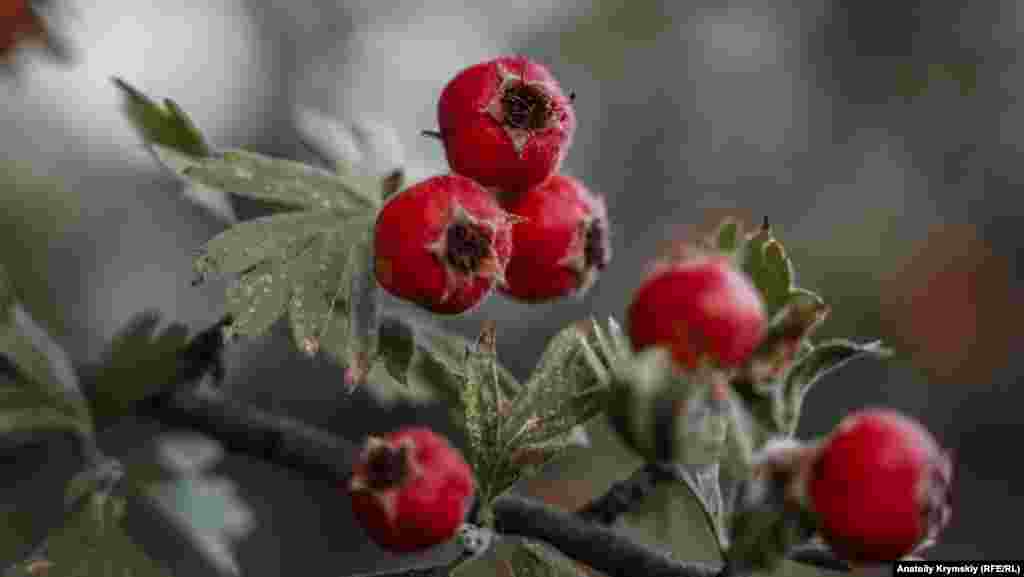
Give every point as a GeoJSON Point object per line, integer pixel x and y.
{"type": "Point", "coordinates": [505, 123]}
{"type": "Point", "coordinates": [443, 244]}
{"type": "Point", "coordinates": [880, 486]}
{"type": "Point", "coordinates": [18, 21]}
{"type": "Point", "coordinates": [561, 243]}
{"type": "Point", "coordinates": [410, 490]}
{"type": "Point", "coordinates": [702, 308]}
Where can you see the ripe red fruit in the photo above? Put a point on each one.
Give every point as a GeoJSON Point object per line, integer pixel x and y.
{"type": "Point", "coordinates": [505, 123]}
{"type": "Point", "coordinates": [560, 245]}
{"type": "Point", "coordinates": [410, 490]}
{"type": "Point", "coordinates": [881, 486]}
{"type": "Point", "coordinates": [18, 21]}
{"type": "Point", "coordinates": [701, 308]}
{"type": "Point", "coordinates": [443, 244]}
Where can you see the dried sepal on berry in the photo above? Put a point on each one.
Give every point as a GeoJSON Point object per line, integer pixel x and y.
{"type": "Point", "coordinates": [561, 244]}
{"type": "Point", "coordinates": [505, 123]}
{"type": "Point", "coordinates": [443, 243]}
{"type": "Point", "coordinates": [410, 490]}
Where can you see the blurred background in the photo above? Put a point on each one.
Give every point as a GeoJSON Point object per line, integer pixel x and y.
{"type": "Point", "coordinates": [879, 137]}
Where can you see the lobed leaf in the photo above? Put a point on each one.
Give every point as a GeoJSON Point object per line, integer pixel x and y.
{"type": "Point", "coordinates": [271, 238]}
{"type": "Point", "coordinates": [257, 299]}
{"type": "Point", "coordinates": [138, 348]}
{"type": "Point", "coordinates": [166, 125]}
{"type": "Point", "coordinates": [567, 367]}
{"type": "Point", "coordinates": [277, 180]}
{"type": "Point", "coordinates": [318, 305]}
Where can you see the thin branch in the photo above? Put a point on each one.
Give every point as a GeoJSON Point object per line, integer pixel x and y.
{"type": "Point", "coordinates": [599, 547]}
{"type": "Point", "coordinates": [244, 429]}
{"type": "Point", "coordinates": [818, 555]}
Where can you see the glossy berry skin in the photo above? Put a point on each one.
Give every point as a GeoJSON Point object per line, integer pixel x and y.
{"type": "Point", "coordinates": [505, 123]}
{"type": "Point", "coordinates": [703, 309]}
{"type": "Point", "coordinates": [443, 243]}
{"type": "Point", "coordinates": [410, 490]}
{"type": "Point", "coordinates": [880, 486]}
{"type": "Point", "coordinates": [560, 244]}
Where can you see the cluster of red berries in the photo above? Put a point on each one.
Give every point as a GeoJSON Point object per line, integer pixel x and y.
{"type": "Point", "coordinates": [504, 218]}
{"type": "Point", "coordinates": [879, 485]}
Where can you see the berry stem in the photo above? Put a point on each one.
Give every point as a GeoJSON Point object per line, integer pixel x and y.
{"type": "Point", "coordinates": [431, 134]}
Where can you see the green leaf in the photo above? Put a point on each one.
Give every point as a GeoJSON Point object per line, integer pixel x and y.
{"type": "Point", "coordinates": [137, 349]}
{"type": "Point", "coordinates": [17, 419]}
{"type": "Point", "coordinates": [364, 311]}
{"type": "Point", "coordinates": [271, 238]}
{"type": "Point", "coordinates": [166, 125]}
{"type": "Point", "coordinates": [636, 389]}
{"type": "Point", "coordinates": [765, 261]}
{"type": "Point", "coordinates": [827, 356]}
{"type": "Point", "coordinates": [567, 367]}
{"type": "Point", "coordinates": [397, 345]}
{"type": "Point", "coordinates": [673, 516]}
{"type": "Point", "coordinates": [446, 352]}
{"type": "Point", "coordinates": [727, 237]}
{"type": "Point", "coordinates": [46, 376]}
{"type": "Point", "coordinates": [7, 296]}
{"type": "Point", "coordinates": [257, 299]}
{"type": "Point", "coordinates": [532, 558]}
{"type": "Point", "coordinates": [286, 182]}
{"type": "Point", "coordinates": [319, 303]}
{"type": "Point", "coordinates": [814, 364]}
{"type": "Point", "coordinates": [94, 543]}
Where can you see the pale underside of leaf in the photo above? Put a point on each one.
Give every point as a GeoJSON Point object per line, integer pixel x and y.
{"type": "Point", "coordinates": [272, 238]}
{"type": "Point", "coordinates": [277, 180]}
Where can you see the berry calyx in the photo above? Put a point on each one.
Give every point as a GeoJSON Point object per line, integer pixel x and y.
{"type": "Point", "coordinates": [702, 308]}
{"type": "Point", "coordinates": [880, 486]}
{"type": "Point", "coordinates": [443, 243]}
{"type": "Point", "coordinates": [561, 244]}
{"type": "Point", "coordinates": [410, 490]}
{"type": "Point", "coordinates": [505, 123]}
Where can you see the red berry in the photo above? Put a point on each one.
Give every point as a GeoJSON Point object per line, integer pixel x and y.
{"type": "Point", "coordinates": [18, 21]}
{"type": "Point", "coordinates": [505, 123]}
{"type": "Point", "coordinates": [443, 244]}
{"type": "Point", "coordinates": [410, 490]}
{"type": "Point", "coordinates": [881, 486]}
{"type": "Point", "coordinates": [701, 309]}
{"type": "Point", "coordinates": [561, 242]}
